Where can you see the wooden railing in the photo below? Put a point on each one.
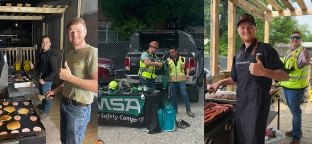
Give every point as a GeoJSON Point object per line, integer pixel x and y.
{"type": "Point", "coordinates": [19, 54]}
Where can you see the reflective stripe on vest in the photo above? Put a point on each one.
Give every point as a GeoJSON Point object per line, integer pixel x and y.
{"type": "Point", "coordinates": [298, 78]}
{"type": "Point", "coordinates": [176, 72]}
{"type": "Point", "coordinates": [147, 71]}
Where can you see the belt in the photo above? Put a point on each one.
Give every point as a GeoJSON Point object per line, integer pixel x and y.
{"type": "Point", "coordinates": [73, 102]}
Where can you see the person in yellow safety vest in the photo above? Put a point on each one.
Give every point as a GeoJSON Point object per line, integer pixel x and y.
{"type": "Point", "coordinates": [148, 65]}
{"type": "Point", "coordinates": [178, 74]}
{"type": "Point", "coordinates": [295, 61]}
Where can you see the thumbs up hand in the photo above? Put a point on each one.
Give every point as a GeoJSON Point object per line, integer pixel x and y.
{"type": "Point", "coordinates": [65, 73]}
{"type": "Point", "coordinates": [257, 68]}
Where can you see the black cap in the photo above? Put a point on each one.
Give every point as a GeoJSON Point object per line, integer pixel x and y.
{"type": "Point", "coordinates": [246, 18]}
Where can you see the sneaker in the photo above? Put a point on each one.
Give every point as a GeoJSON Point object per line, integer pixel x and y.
{"type": "Point", "coordinates": [289, 134]}
{"type": "Point", "coordinates": [43, 116]}
{"type": "Point", "coordinates": [295, 142]}
{"type": "Point", "coordinates": [190, 114]}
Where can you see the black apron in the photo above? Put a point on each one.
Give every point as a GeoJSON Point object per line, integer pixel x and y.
{"type": "Point", "coordinates": [253, 102]}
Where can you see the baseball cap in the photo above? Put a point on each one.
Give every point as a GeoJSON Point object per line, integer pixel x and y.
{"type": "Point", "coordinates": [246, 18]}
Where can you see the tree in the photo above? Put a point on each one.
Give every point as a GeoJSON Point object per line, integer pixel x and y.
{"type": "Point", "coordinates": [129, 16]}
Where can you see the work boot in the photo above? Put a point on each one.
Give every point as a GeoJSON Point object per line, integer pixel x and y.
{"type": "Point", "coordinates": [190, 114]}
{"type": "Point", "coordinates": [43, 116]}
{"type": "Point", "coordinates": [289, 134]}
{"type": "Point", "coordinates": [295, 142]}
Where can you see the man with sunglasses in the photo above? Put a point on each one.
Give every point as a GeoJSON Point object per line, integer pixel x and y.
{"type": "Point", "coordinates": [253, 68]}
{"type": "Point", "coordinates": [296, 62]}
{"type": "Point", "coordinates": [148, 65]}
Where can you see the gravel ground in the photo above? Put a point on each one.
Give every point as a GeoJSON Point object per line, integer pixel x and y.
{"type": "Point", "coordinates": [190, 135]}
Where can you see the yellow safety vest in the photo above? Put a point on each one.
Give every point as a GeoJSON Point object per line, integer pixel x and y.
{"type": "Point", "coordinates": [148, 71]}
{"type": "Point", "coordinates": [176, 72]}
{"type": "Point", "coordinates": [298, 78]}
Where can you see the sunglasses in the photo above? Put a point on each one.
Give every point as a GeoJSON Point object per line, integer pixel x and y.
{"type": "Point", "coordinates": [295, 37]}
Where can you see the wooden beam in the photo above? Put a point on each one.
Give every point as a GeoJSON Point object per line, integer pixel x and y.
{"type": "Point", "coordinates": [31, 9]}
{"type": "Point", "coordinates": [261, 5]}
{"type": "Point", "coordinates": [301, 4]}
{"type": "Point", "coordinates": [45, 6]}
{"type": "Point", "coordinates": [62, 33]}
{"type": "Point", "coordinates": [266, 32]}
{"type": "Point", "coordinates": [231, 34]}
{"type": "Point", "coordinates": [27, 5]}
{"type": "Point", "coordinates": [252, 9]}
{"type": "Point", "coordinates": [288, 5]}
{"type": "Point", "coordinates": [274, 5]}
{"type": "Point", "coordinates": [21, 17]}
{"type": "Point", "coordinates": [296, 12]}
{"type": "Point", "coordinates": [214, 37]}
{"type": "Point", "coordinates": [19, 5]}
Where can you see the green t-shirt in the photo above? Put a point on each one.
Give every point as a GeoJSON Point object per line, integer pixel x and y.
{"type": "Point", "coordinates": [82, 64]}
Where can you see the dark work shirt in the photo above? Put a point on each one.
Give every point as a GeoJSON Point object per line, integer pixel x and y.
{"type": "Point", "coordinates": [47, 65]}
{"type": "Point", "coordinates": [268, 56]}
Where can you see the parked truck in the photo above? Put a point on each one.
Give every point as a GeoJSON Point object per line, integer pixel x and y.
{"type": "Point", "coordinates": [186, 47]}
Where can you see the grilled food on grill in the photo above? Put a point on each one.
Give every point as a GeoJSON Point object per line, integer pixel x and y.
{"type": "Point", "coordinates": [33, 118]}
{"type": "Point", "coordinates": [26, 103]}
{"type": "Point", "coordinates": [17, 117]}
{"type": "Point", "coordinates": [14, 131]}
{"type": "Point", "coordinates": [25, 130]}
{"type": "Point", "coordinates": [15, 103]}
{"type": "Point", "coordinates": [5, 103]}
{"type": "Point", "coordinates": [23, 111]}
{"type": "Point", "coordinates": [1, 111]}
{"type": "Point", "coordinates": [36, 128]}
{"type": "Point", "coordinates": [3, 133]}
{"type": "Point", "coordinates": [5, 117]}
{"type": "Point", "coordinates": [14, 125]}
{"type": "Point", "coordinates": [9, 109]}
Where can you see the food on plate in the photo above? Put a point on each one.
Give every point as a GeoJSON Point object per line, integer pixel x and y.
{"type": "Point", "coordinates": [23, 111]}
{"type": "Point", "coordinates": [36, 128]}
{"type": "Point", "coordinates": [17, 117]}
{"type": "Point", "coordinates": [5, 103]}
{"type": "Point", "coordinates": [228, 96]}
{"type": "Point", "coordinates": [5, 117]}
{"type": "Point", "coordinates": [26, 103]}
{"type": "Point", "coordinates": [1, 111]}
{"type": "Point", "coordinates": [15, 103]}
{"type": "Point", "coordinates": [33, 118]}
{"type": "Point", "coordinates": [14, 131]}
{"type": "Point", "coordinates": [14, 125]}
{"type": "Point", "coordinates": [9, 109]}
{"type": "Point", "coordinates": [3, 133]}
{"type": "Point", "coordinates": [25, 130]}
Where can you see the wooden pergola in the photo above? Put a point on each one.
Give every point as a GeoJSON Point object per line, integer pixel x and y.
{"type": "Point", "coordinates": [267, 11]}
{"type": "Point", "coordinates": [25, 11]}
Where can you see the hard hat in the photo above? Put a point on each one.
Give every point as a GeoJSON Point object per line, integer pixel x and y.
{"type": "Point", "coordinates": [154, 44]}
{"type": "Point", "coordinates": [113, 85]}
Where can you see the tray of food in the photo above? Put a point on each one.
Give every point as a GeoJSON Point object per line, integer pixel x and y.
{"type": "Point", "coordinates": [222, 96]}
{"type": "Point", "coordinates": [214, 111]}
{"type": "Point", "coordinates": [19, 119]}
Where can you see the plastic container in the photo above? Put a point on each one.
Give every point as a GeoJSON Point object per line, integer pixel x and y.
{"type": "Point", "coordinates": [276, 140]}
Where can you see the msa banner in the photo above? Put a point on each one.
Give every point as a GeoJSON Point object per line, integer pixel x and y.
{"type": "Point", "coordinates": [132, 105]}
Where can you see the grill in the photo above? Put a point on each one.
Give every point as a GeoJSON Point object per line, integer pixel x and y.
{"type": "Point", "coordinates": [25, 122]}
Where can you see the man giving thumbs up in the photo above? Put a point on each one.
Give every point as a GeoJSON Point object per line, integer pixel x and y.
{"type": "Point", "coordinates": [253, 76]}
{"type": "Point", "coordinates": [79, 76]}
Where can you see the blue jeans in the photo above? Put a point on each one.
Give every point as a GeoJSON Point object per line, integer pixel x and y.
{"type": "Point", "coordinates": [174, 87]}
{"type": "Point", "coordinates": [293, 99]}
{"type": "Point", "coordinates": [46, 102]}
{"type": "Point", "coordinates": [148, 82]}
{"type": "Point", "coordinates": [74, 121]}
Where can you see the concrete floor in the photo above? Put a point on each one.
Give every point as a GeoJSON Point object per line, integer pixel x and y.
{"type": "Point", "coordinates": [52, 126]}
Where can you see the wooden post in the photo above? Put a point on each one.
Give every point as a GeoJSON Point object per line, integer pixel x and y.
{"type": "Point", "coordinates": [231, 37]}
{"type": "Point", "coordinates": [214, 37]}
{"type": "Point", "coordinates": [62, 33]}
{"type": "Point", "coordinates": [266, 32]}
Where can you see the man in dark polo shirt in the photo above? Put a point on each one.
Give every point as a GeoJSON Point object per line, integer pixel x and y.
{"type": "Point", "coordinates": [253, 69]}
